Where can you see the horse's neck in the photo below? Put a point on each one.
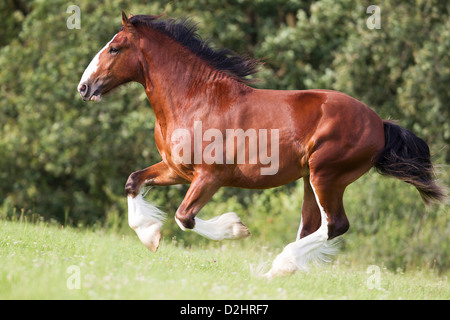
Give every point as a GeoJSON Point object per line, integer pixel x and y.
{"type": "Point", "coordinates": [180, 85]}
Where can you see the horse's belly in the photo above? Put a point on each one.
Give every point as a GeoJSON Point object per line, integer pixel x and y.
{"type": "Point", "coordinates": [272, 174]}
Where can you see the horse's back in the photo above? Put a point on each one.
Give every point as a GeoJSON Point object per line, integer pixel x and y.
{"type": "Point", "coordinates": [341, 127]}
{"type": "Point", "coordinates": [316, 116]}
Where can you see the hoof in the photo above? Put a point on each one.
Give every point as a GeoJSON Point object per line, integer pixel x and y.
{"type": "Point", "coordinates": [150, 236]}
{"type": "Point", "coordinates": [283, 265]}
{"type": "Point", "coordinates": [233, 228]}
{"type": "Point", "coordinates": [240, 231]}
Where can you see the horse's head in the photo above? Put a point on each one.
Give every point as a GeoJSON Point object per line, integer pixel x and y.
{"type": "Point", "coordinates": [117, 63]}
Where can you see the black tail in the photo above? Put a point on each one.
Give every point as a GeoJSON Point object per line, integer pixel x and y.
{"type": "Point", "coordinates": [407, 157]}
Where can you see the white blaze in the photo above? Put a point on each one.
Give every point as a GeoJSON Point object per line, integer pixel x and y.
{"type": "Point", "coordinates": [92, 67]}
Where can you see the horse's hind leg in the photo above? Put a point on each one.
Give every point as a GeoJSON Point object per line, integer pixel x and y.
{"type": "Point", "coordinates": [329, 198]}
{"type": "Point", "coordinates": [310, 211]}
{"type": "Point", "coordinates": [321, 221]}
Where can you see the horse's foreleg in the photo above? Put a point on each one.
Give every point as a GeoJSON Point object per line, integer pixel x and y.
{"type": "Point", "coordinates": [144, 218]}
{"type": "Point", "coordinates": [226, 226]}
{"type": "Point", "coordinates": [157, 175]}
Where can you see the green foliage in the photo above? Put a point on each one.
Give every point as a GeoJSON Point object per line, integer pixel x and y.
{"type": "Point", "coordinates": [59, 153]}
{"type": "Point", "coordinates": [64, 159]}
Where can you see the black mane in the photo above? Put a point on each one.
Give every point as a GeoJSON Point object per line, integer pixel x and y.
{"type": "Point", "coordinates": [184, 31]}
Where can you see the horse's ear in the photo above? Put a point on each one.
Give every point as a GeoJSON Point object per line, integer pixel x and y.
{"type": "Point", "coordinates": [127, 25]}
{"type": "Point", "coordinates": [125, 20]}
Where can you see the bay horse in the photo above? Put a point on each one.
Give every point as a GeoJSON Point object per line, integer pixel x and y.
{"type": "Point", "coordinates": [199, 95]}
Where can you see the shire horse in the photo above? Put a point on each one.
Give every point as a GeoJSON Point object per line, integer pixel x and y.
{"type": "Point", "coordinates": [325, 137]}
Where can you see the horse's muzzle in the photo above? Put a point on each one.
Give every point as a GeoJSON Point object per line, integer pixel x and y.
{"type": "Point", "coordinates": [87, 93]}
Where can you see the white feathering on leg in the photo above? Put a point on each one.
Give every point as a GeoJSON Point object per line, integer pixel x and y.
{"type": "Point", "coordinates": [145, 219]}
{"type": "Point", "coordinates": [225, 226]}
{"type": "Point", "coordinates": [314, 248]}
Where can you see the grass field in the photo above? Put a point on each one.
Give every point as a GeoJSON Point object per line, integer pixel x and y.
{"type": "Point", "coordinates": [41, 261]}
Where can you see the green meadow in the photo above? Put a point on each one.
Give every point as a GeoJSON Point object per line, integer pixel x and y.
{"type": "Point", "coordinates": [42, 261]}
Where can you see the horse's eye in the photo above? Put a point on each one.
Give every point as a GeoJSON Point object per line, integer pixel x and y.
{"type": "Point", "coordinates": [113, 50]}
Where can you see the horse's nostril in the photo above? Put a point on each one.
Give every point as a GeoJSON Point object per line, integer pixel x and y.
{"type": "Point", "coordinates": [83, 90]}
